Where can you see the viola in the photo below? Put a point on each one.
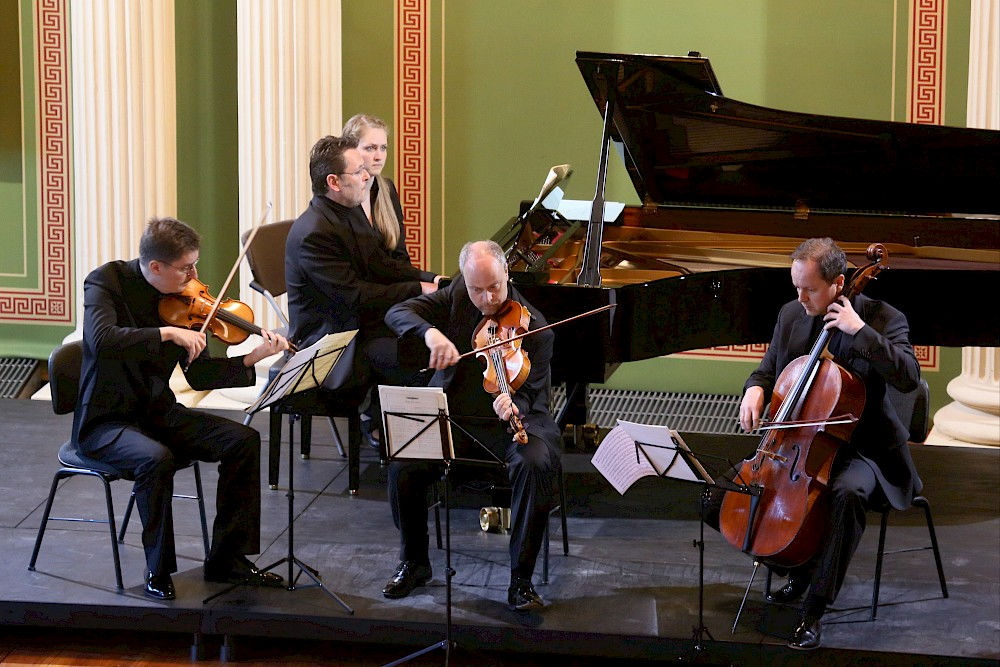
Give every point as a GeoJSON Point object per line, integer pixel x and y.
{"type": "Point", "coordinates": [780, 515]}
{"type": "Point", "coordinates": [507, 363]}
{"type": "Point", "coordinates": [232, 322]}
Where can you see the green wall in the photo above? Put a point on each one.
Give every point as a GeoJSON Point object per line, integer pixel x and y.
{"type": "Point", "coordinates": [207, 132]}
{"type": "Point", "coordinates": [514, 102]}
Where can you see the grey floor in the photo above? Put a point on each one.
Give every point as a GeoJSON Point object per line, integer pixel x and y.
{"type": "Point", "coordinates": [628, 589]}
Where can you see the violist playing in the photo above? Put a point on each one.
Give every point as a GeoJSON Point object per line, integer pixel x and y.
{"type": "Point", "coordinates": [447, 320]}
{"type": "Point", "coordinates": [871, 340]}
{"type": "Point", "coordinates": [127, 416]}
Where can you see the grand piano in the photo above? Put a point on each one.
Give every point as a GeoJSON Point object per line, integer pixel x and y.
{"type": "Point", "coordinates": [728, 189]}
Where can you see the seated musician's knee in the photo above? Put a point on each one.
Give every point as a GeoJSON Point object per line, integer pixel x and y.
{"type": "Point", "coordinates": [157, 464]}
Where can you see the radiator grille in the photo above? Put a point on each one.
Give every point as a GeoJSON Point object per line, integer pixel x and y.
{"type": "Point", "coordinates": [14, 375]}
{"type": "Point", "coordinates": [690, 413]}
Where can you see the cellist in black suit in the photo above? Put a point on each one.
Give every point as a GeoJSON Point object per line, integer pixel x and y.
{"type": "Point", "coordinates": [871, 339]}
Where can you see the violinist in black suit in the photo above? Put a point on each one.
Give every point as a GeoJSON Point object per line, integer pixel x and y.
{"type": "Point", "coordinates": [446, 321]}
{"type": "Point", "coordinates": [871, 339]}
{"type": "Point", "coordinates": [339, 272]}
{"type": "Point", "coordinates": [127, 416]}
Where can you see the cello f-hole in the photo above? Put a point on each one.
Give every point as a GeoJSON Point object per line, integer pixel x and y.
{"type": "Point", "coordinates": [792, 475]}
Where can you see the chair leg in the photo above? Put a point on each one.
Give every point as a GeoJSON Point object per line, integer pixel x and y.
{"type": "Point", "coordinates": [545, 551]}
{"type": "Point", "coordinates": [920, 501]}
{"type": "Point", "coordinates": [879, 556]}
{"type": "Point", "coordinates": [201, 507]}
{"type": "Point", "coordinates": [45, 518]}
{"type": "Point", "coordinates": [562, 511]}
{"type": "Point", "coordinates": [336, 438]}
{"type": "Point", "coordinates": [114, 534]}
{"type": "Point", "coordinates": [273, 447]}
{"type": "Point", "coordinates": [125, 519]}
{"type": "Point", "coordinates": [305, 439]}
{"type": "Point", "coordinates": [354, 452]}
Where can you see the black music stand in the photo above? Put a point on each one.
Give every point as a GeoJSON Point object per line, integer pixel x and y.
{"type": "Point", "coordinates": [684, 465]}
{"type": "Point", "coordinates": [410, 435]}
{"type": "Point", "coordinates": [306, 369]}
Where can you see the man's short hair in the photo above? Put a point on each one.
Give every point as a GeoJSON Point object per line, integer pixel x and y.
{"type": "Point", "coordinates": [831, 259]}
{"type": "Point", "coordinates": [327, 157]}
{"type": "Point", "coordinates": [167, 240]}
{"type": "Point", "coordinates": [492, 247]}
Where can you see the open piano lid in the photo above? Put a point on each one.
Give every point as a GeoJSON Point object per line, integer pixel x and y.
{"type": "Point", "coordinates": [685, 145]}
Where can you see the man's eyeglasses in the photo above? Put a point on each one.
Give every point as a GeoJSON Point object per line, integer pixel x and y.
{"type": "Point", "coordinates": [353, 173]}
{"type": "Point", "coordinates": [187, 269]}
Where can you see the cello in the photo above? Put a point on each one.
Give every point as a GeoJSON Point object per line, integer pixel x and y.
{"type": "Point", "coordinates": [780, 514]}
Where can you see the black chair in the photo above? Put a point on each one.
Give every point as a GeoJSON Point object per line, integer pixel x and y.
{"type": "Point", "coordinates": [913, 408]}
{"type": "Point", "coordinates": [266, 258]}
{"type": "Point", "coordinates": [916, 404]}
{"type": "Point", "coordinates": [64, 381]}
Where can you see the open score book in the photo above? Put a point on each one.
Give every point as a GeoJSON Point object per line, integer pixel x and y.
{"type": "Point", "coordinates": [632, 451]}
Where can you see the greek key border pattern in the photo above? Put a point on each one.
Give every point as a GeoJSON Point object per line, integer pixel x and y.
{"type": "Point", "coordinates": [927, 355]}
{"type": "Point", "coordinates": [412, 123]}
{"type": "Point", "coordinates": [926, 72]}
{"type": "Point", "coordinates": [52, 303]}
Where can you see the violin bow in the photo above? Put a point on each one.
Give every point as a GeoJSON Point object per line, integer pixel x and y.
{"type": "Point", "coordinates": [533, 331]}
{"type": "Point", "coordinates": [232, 271]}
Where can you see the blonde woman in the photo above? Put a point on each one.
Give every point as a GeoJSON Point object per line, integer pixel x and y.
{"type": "Point", "coordinates": [381, 206]}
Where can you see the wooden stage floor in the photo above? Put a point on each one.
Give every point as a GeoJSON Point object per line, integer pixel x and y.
{"type": "Point", "coordinates": [627, 591]}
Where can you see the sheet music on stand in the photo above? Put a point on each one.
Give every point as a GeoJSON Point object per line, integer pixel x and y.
{"type": "Point", "coordinates": [305, 370]}
{"type": "Point", "coordinates": [631, 451]}
{"type": "Point", "coordinates": [412, 423]}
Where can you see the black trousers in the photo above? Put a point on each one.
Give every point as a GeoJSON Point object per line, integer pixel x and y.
{"type": "Point", "coordinates": [153, 456]}
{"type": "Point", "coordinates": [533, 471]}
{"type": "Point", "coordinates": [852, 491]}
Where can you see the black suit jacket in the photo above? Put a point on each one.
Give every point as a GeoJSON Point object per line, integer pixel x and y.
{"type": "Point", "coordinates": [878, 354]}
{"type": "Point", "coordinates": [126, 369]}
{"type": "Point", "coordinates": [339, 276]}
{"type": "Point", "coordinates": [452, 312]}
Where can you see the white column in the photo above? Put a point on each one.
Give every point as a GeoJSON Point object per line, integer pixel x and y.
{"type": "Point", "coordinates": [974, 416]}
{"type": "Point", "coordinates": [289, 95]}
{"type": "Point", "coordinates": [124, 125]}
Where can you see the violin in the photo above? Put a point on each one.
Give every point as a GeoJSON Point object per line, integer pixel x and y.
{"type": "Point", "coordinates": [232, 322]}
{"type": "Point", "coordinates": [780, 515]}
{"type": "Point", "coordinates": [507, 363]}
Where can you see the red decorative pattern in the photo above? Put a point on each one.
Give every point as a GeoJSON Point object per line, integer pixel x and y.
{"type": "Point", "coordinates": [412, 120]}
{"type": "Point", "coordinates": [927, 355]}
{"type": "Point", "coordinates": [51, 302]}
{"type": "Point", "coordinates": [926, 74]}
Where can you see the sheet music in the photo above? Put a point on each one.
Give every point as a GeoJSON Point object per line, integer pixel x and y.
{"type": "Point", "coordinates": [632, 451]}
{"type": "Point", "coordinates": [326, 352]}
{"type": "Point", "coordinates": [615, 459]}
{"type": "Point", "coordinates": [416, 407]}
{"type": "Point", "coordinates": [661, 450]}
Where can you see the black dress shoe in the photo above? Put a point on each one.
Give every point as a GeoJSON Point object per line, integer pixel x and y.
{"type": "Point", "coordinates": [408, 576]}
{"type": "Point", "coordinates": [807, 636]}
{"type": "Point", "coordinates": [371, 433]}
{"type": "Point", "coordinates": [790, 592]}
{"type": "Point", "coordinates": [239, 570]}
{"type": "Point", "coordinates": [521, 596]}
{"type": "Point", "coordinates": [160, 587]}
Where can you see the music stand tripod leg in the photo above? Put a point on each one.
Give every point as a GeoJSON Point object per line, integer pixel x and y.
{"type": "Point", "coordinates": [446, 643]}
{"type": "Point", "coordinates": [291, 559]}
{"type": "Point", "coordinates": [701, 631]}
